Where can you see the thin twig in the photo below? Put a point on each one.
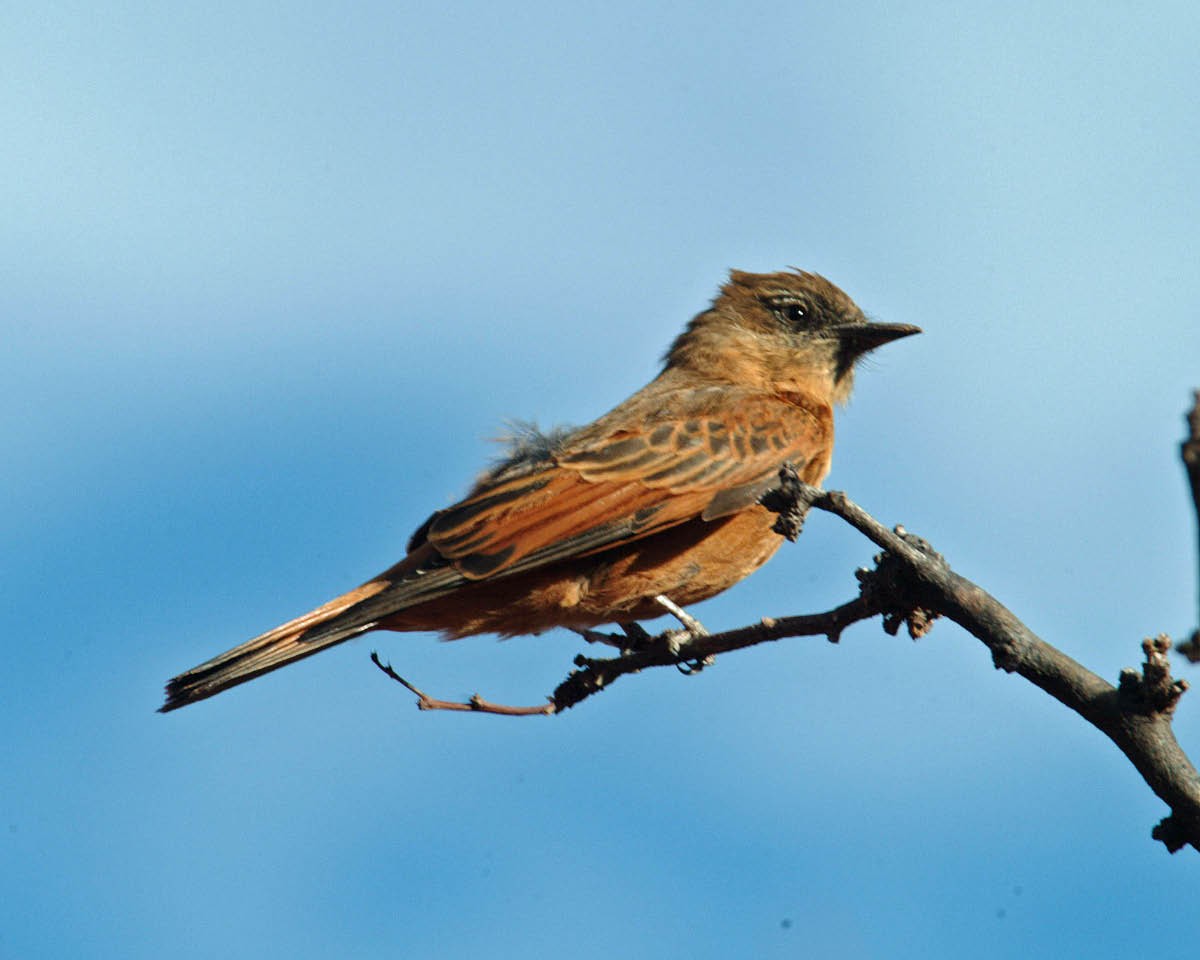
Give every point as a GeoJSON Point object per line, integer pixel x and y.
{"type": "Point", "coordinates": [475, 705]}
{"type": "Point", "coordinates": [1189, 450]}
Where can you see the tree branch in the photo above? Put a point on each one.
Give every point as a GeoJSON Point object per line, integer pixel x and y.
{"type": "Point", "coordinates": [1136, 716]}
{"type": "Point", "coordinates": [913, 585]}
{"type": "Point", "coordinates": [677, 648]}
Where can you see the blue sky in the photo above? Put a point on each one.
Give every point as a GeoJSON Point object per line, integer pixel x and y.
{"type": "Point", "coordinates": [273, 274]}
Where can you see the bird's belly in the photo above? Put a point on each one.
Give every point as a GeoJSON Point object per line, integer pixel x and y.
{"type": "Point", "coordinates": [688, 563]}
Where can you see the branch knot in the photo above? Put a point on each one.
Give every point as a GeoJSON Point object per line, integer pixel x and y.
{"type": "Point", "coordinates": [1152, 690]}
{"type": "Point", "coordinates": [791, 500]}
{"type": "Point", "coordinates": [893, 588]}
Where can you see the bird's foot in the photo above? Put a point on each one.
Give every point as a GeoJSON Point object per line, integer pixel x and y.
{"type": "Point", "coordinates": [633, 637]}
{"type": "Point", "coordinates": [599, 636]}
{"type": "Point", "coordinates": [680, 640]}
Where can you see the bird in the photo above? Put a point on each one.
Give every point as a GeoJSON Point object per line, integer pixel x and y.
{"type": "Point", "coordinates": [660, 497]}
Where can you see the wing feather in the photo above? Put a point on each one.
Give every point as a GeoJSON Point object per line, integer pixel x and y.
{"type": "Point", "coordinates": [683, 459]}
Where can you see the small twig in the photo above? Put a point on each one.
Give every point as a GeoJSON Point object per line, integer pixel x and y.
{"type": "Point", "coordinates": [1189, 450]}
{"type": "Point", "coordinates": [475, 705]}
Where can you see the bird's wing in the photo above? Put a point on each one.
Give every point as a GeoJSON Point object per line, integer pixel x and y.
{"type": "Point", "coordinates": [685, 458]}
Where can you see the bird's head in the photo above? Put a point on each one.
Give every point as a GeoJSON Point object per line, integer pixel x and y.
{"type": "Point", "coordinates": [780, 331]}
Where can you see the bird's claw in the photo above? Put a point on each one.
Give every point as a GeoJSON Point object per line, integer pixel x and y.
{"type": "Point", "coordinates": [679, 640]}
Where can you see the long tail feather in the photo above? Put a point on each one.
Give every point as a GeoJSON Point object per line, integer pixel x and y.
{"type": "Point", "coordinates": [293, 640]}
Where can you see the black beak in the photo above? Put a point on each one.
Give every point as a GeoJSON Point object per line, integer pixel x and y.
{"type": "Point", "coordinates": [861, 338]}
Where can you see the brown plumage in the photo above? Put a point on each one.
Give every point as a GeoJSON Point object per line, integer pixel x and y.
{"type": "Point", "coordinates": [659, 496]}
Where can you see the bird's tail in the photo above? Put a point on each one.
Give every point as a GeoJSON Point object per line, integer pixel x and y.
{"type": "Point", "coordinates": [293, 640]}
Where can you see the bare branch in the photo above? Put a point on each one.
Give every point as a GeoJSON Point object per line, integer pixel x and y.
{"type": "Point", "coordinates": [670, 648]}
{"type": "Point", "coordinates": [475, 705]}
{"type": "Point", "coordinates": [1189, 450]}
{"type": "Point", "coordinates": [913, 585]}
{"type": "Point", "coordinates": [674, 648]}
{"type": "Point", "coordinates": [1136, 717]}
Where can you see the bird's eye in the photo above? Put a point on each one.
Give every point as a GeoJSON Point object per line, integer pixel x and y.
{"type": "Point", "coordinates": [791, 311]}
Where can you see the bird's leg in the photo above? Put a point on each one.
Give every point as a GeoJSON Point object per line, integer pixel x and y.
{"type": "Point", "coordinates": [690, 623]}
{"type": "Point", "coordinates": [635, 637]}
{"type": "Point", "coordinates": [693, 629]}
{"type": "Point", "coordinates": [638, 636]}
{"type": "Point", "coordinates": [599, 636]}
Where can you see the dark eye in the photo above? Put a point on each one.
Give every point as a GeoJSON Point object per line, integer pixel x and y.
{"type": "Point", "coordinates": [791, 311]}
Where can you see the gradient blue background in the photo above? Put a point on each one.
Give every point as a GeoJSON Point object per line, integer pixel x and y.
{"type": "Point", "coordinates": [270, 275]}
